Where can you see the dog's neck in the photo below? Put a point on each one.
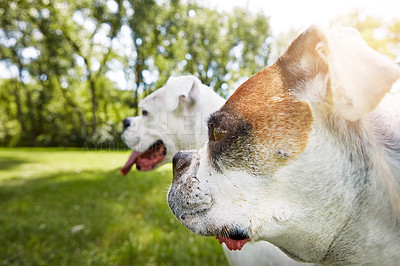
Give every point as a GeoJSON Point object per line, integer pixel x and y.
{"type": "Point", "coordinates": [358, 224]}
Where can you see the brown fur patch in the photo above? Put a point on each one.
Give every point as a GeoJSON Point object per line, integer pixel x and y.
{"type": "Point", "coordinates": [280, 122]}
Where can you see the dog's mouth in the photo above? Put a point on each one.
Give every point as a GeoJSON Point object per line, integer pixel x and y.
{"type": "Point", "coordinates": [234, 240]}
{"type": "Point", "coordinates": [147, 160]}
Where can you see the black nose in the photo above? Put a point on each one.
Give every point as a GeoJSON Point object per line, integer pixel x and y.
{"type": "Point", "coordinates": [126, 123]}
{"type": "Point", "coordinates": [180, 162]}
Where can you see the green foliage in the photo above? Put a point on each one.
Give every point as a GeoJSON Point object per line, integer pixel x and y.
{"type": "Point", "coordinates": [60, 95]}
{"type": "Point", "coordinates": [69, 59]}
{"type": "Point", "coordinates": [73, 207]}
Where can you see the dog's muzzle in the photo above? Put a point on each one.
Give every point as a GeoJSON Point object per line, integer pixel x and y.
{"type": "Point", "coordinates": [186, 197]}
{"type": "Point", "coordinates": [191, 202]}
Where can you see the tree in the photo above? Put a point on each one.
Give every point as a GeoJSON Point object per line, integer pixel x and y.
{"type": "Point", "coordinates": [174, 38]}
{"type": "Point", "coordinates": [67, 58]}
{"type": "Point", "coordinates": [226, 48]}
{"type": "Point", "coordinates": [46, 43]}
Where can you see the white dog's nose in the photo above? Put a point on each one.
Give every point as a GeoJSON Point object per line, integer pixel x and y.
{"type": "Point", "coordinates": [126, 123]}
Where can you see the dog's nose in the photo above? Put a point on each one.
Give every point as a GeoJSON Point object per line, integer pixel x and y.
{"type": "Point", "coordinates": [180, 162]}
{"type": "Point", "coordinates": [126, 123]}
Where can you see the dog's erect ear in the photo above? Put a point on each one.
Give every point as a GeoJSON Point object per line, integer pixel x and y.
{"type": "Point", "coordinates": [180, 89]}
{"type": "Point", "coordinates": [350, 75]}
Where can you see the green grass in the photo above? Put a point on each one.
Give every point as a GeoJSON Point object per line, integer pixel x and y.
{"type": "Point", "coordinates": [73, 207]}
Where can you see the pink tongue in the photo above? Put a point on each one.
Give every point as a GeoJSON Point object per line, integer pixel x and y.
{"type": "Point", "coordinates": [127, 167]}
{"type": "Point", "coordinates": [231, 243]}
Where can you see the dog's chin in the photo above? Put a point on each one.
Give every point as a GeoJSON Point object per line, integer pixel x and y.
{"type": "Point", "coordinates": [234, 236]}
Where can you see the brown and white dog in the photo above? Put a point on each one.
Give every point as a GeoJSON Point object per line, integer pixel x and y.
{"type": "Point", "coordinates": [174, 118]}
{"type": "Point", "coordinates": [305, 154]}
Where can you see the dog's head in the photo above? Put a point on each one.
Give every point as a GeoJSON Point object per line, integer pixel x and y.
{"type": "Point", "coordinates": [173, 118]}
{"type": "Point", "coordinates": [283, 162]}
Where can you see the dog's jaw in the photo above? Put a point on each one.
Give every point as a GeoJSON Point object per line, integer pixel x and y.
{"type": "Point", "coordinates": [219, 206]}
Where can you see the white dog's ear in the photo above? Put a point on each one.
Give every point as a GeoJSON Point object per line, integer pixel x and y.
{"type": "Point", "coordinates": [180, 89]}
{"type": "Point", "coordinates": [339, 68]}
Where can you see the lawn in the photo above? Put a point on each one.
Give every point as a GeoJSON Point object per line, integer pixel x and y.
{"type": "Point", "coordinates": [73, 207]}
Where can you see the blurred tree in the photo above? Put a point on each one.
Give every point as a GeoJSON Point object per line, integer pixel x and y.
{"type": "Point", "coordinates": [173, 38]}
{"type": "Point", "coordinates": [217, 47]}
{"type": "Point", "coordinates": [142, 17]}
{"type": "Point", "coordinates": [56, 47]}
{"type": "Point", "coordinates": [65, 60]}
{"type": "Point", "coordinates": [226, 48]}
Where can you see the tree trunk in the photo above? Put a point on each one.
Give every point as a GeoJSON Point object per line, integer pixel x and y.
{"type": "Point", "coordinates": [139, 81]}
{"type": "Point", "coordinates": [20, 115]}
{"type": "Point", "coordinates": [74, 107]}
{"type": "Point", "coordinates": [94, 104]}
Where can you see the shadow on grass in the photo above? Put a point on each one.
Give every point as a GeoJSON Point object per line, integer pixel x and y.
{"type": "Point", "coordinates": [99, 218]}
{"type": "Point", "coordinates": [8, 163]}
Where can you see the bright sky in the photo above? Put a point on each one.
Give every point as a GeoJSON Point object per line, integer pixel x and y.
{"type": "Point", "coordinates": [286, 14]}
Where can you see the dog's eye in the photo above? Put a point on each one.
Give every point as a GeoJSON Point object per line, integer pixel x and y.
{"type": "Point", "coordinates": [145, 113]}
{"type": "Point", "coordinates": [219, 133]}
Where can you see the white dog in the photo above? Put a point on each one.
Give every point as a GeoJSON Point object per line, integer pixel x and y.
{"type": "Point", "coordinates": [305, 154]}
{"type": "Point", "coordinates": [174, 118]}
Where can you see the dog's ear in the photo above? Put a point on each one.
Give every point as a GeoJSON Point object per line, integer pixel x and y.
{"type": "Point", "coordinates": [339, 68]}
{"type": "Point", "coordinates": [180, 91]}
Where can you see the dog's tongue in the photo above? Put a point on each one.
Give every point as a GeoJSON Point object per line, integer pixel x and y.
{"type": "Point", "coordinates": [127, 167]}
{"type": "Point", "coordinates": [232, 244]}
